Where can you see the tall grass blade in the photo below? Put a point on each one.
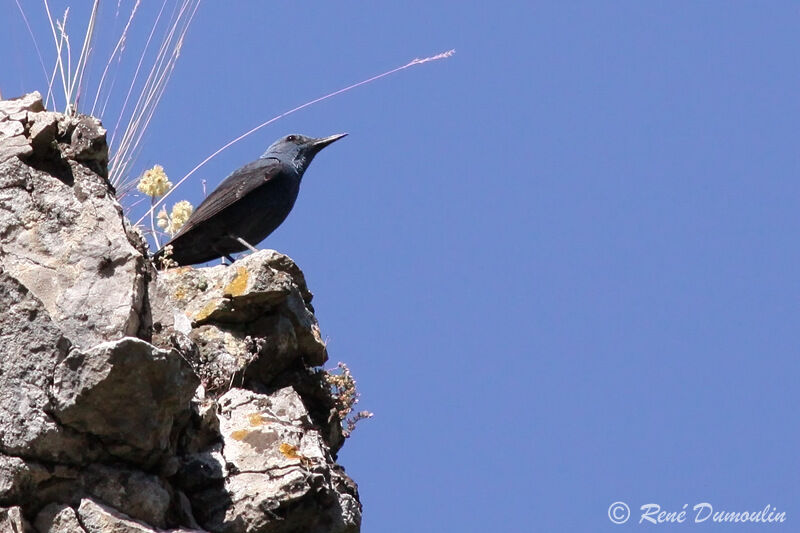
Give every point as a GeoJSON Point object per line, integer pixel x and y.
{"type": "Point", "coordinates": [120, 47]}
{"type": "Point", "coordinates": [410, 64]}
{"type": "Point", "coordinates": [83, 59]}
{"type": "Point", "coordinates": [35, 42]}
{"type": "Point", "coordinates": [150, 95]}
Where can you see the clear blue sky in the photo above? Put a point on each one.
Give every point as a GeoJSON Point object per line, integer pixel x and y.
{"type": "Point", "coordinates": [563, 265]}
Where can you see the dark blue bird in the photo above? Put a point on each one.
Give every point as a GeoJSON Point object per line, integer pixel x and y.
{"type": "Point", "coordinates": [248, 205]}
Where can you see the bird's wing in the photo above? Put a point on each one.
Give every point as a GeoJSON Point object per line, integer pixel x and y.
{"type": "Point", "coordinates": [236, 186]}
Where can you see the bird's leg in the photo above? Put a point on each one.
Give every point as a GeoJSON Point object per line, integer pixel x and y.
{"type": "Point", "coordinates": [246, 244]}
{"type": "Point", "coordinates": [229, 258]}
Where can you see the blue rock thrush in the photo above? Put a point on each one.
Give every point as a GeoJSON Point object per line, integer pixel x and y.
{"type": "Point", "coordinates": [248, 205]}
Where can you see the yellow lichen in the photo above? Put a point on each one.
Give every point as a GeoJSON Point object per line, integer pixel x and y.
{"type": "Point", "coordinates": [256, 419]}
{"type": "Point", "coordinates": [239, 283]}
{"type": "Point", "coordinates": [239, 434]}
{"type": "Point", "coordinates": [180, 293]}
{"type": "Point", "coordinates": [206, 311]}
{"type": "Point", "coordinates": [289, 451]}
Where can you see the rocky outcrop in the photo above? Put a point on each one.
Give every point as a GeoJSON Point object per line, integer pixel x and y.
{"type": "Point", "coordinates": [142, 401]}
{"type": "Point", "coordinates": [61, 232]}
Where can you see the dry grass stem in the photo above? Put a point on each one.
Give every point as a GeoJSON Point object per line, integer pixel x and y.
{"type": "Point", "coordinates": [83, 59]}
{"type": "Point", "coordinates": [35, 42]}
{"type": "Point", "coordinates": [120, 47]}
{"type": "Point", "coordinates": [150, 95]}
{"type": "Point", "coordinates": [136, 72]}
{"type": "Point", "coordinates": [411, 63]}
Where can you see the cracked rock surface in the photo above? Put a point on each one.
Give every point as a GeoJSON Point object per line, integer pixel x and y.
{"type": "Point", "coordinates": [143, 401]}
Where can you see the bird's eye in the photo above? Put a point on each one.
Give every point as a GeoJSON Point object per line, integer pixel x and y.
{"type": "Point", "coordinates": [291, 138]}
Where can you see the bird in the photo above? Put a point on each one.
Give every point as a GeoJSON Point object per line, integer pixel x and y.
{"type": "Point", "coordinates": [247, 206]}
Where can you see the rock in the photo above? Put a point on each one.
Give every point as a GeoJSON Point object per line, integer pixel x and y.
{"type": "Point", "coordinates": [12, 521]}
{"type": "Point", "coordinates": [184, 512]}
{"type": "Point", "coordinates": [71, 253]}
{"type": "Point", "coordinates": [223, 356]}
{"type": "Point", "coordinates": [44, 129]}
{"type": "Point", "coordinates": [12, 107]}
{"type": "Point", "coordinates": [19, 478]}
{"type": "Point", "coordinates": [31, 346]}
{"type": "Point", "coordinates": [88, 144]}
{"type": "Point", "coordinates": [58, 518]}
{"type": "Point", "coordinates": [281, 472]}
{"type": "Point", "coordinates": [253, 426]}
{"type": "Point", "coordinates": [125, 391]}
{"type": "Point", "coordinates": [255, 284]}
{"type": "Point", "coordinates": [61, 229]}
{"type": "Point", "coordinates": [203, 430]}
{"type": "Point", "coordinates": [13, 145]}
{"type": "Point", "coordinates": [98, 518]}
{"type": "Point", "coordinates": [137, 494]}
{"type": "Point", "coordinates": [10, 129]}
{"type": "Point", "coordinates": [201, 470]}
{"type": "Point", "coordinates": [254, 318]}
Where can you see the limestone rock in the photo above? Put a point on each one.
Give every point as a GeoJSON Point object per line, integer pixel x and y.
{"type": "Point", "coordinates": [58, 518]}
{"type": "Point", "coordinates": [254, 317]}
{"type": "Point", "coordinates": [98, 518]}
{"type": "Point", "coordinates": [12, 521]}
{"type": "Point", "coordinates": [61, 229]}
{"type": "Point", "coordinates": [282, 476]}
{"type": "Point", "coordinates": [15, 107]}
{"type": "Point", "coordinates": [125, 391]}
{"type": "Point", "coordinates": [203, 469]}
{"type": "Point", "coordinates": [13, 113]}
{"type": "Point", "coordinates": [137, 494]}
{"type": "Point", "coordinates": [18, 477]}
{"type": "Point", "coordinates": [31, 346]}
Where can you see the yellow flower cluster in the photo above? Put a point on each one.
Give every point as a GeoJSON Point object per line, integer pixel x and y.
{"type": "Point", "coordinates": [166, 259]}
{"type": "Point", "coordinates": [154, 182]}
{"type": "Point", "coordinates": [181, 212]}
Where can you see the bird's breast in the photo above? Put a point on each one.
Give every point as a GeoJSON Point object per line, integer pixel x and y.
{"type": "Point", "coordinates": [265, 208]}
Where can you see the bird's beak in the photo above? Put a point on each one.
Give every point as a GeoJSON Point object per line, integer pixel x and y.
{"type": "Point", "coordinates": [319, 144]}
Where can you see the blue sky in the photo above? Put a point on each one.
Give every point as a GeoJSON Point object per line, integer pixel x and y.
{"type": "Point", "coordinates": [562, 264]}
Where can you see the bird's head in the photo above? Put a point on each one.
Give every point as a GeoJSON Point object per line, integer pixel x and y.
{"type": "Point", "coordinates": [299, 149]}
